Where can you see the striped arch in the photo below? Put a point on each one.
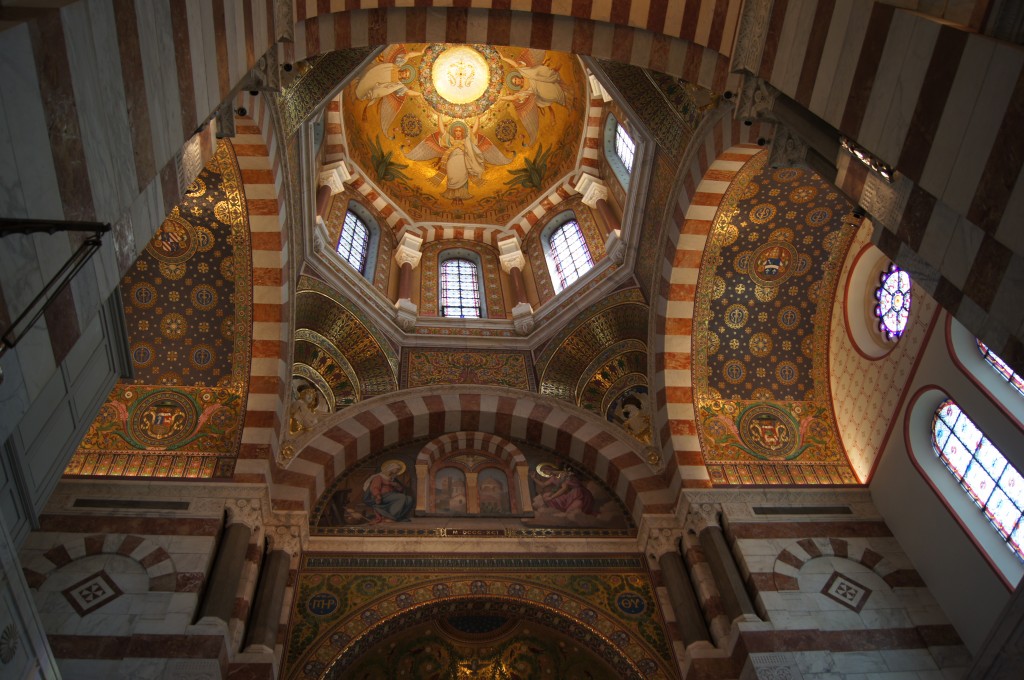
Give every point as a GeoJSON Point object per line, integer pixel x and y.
{"type": "Point", "coordinates": [163, 577]}
{"type": "Point", "coordinates": [476, 441]}
{"type": "Point", "coordinates": [257, 149]}
{"type": "Point", "coordinates": [794, 556]}
{"type": "Point", "coordinates": [364, 429]}
{"type": "Point", "coordinates": [692, 40]}
{"type": "Point", "coordinates": [702, 183]}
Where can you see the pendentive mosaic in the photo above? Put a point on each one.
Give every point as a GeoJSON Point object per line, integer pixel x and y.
{"type": "Point", "coordinates": [188, 306]}
{"type": "Point", "coordinates": [763, 311]}
{"type": "Point", "coordinates": [346, 604]}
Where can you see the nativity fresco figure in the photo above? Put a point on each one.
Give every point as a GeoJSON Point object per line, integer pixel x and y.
{"type": "Point", "coordinates": [561, 489]}
{"type": "Point", "coordinates": [386, 84]}
{"type": "Point", "coordinates": [462, 155]}
{"type": "Point", "coordinates": [535, 86]}
{"type": "Point", "coordinates": [385, 494]}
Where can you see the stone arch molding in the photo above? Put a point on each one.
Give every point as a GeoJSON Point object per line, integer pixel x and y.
{"type": "Point", "coordinates": [798, 553]}
{"type": "Point", "coordinates": [159, 566]}
{"type": "Point", "coordinates": [348, 437]}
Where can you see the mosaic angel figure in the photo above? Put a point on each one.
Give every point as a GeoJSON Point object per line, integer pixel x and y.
{"type": "Point", "coordinates": [386, 83]}
{"type": "Point", "coordinates": [535, 86]}
{"type": "Point", "coordinates": [462, 155]}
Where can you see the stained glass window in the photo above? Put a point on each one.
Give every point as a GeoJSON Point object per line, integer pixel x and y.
{"type": "Point", "coordinates": [1008, 374]}
{"type": "Point", "coordinates": [460, 289]}
{"type": "Point", "coordinates": [625, 149]}
{"type": "Point", "coordinates": [354, 242]}
{"type": "Point", "coordinates": [982, 471]}
{"type": "Point", "coordinates": [570, 253]}
{"type": "Point", "coordinates": [893, 308]}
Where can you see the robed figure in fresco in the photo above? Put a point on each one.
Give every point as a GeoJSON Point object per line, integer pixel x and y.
{"type": "Point", "coordinates": [385, 494]}
{"type": "Point", "coordinates": [562, 490]}
{"type": "Point", "coordinates": [534, 87]}
{"type": "Point", "coordinates": [462, 154]}
{"type": "Point", "coordinates": [386, 84]}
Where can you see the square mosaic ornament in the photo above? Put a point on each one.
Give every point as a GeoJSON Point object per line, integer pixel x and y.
{"type": "Point", "coordinates": [91, 593]}
{"type": "Point", "coordinates": [846, 591]}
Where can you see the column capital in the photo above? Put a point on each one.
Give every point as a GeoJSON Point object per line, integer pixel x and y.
{"type": "Point", "coordinates": [592, 188]}
{"type": "Point", "coordinates": [756, 99]}
{"type": "Point", "coordinates": [663, 540]}
{"type": "Point", "coordinates": [247, 511]}
{"type": "Point", "coordinates": [787, 149]}
{"type": "Point", "coordinates": [285, 538]}
{"type": "Point", "coordinates": [408, 250]}
{"type": "Point", "coordinates": [336, 176]}
{"type": "Point", "coordinates": [702, 516]}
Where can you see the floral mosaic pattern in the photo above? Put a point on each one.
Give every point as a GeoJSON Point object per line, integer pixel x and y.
{"type": "Point", "coordinates": [422, 367]}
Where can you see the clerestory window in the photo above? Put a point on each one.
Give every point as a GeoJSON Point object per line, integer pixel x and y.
{"type": "Point", "coordinates": [460, 289]}
{"type": "Point", "coordinates": [354, 242]}
{"type": "Point", "coordinates": [569, 253]}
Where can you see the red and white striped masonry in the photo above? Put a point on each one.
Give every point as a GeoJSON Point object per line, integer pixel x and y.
{"type": "Point", "coordinates": [725, 149]}
{"type": "Point", "coordinates": [692, 39]}
{"type": "Point", "coordinates": [258, 151]}
{"type": "Point", "coordinates": [475, 441]}
{"type": "Point", "coordinates": [371, 426]}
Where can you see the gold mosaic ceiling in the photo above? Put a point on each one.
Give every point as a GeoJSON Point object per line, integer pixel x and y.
{"type": "Point", "coordinates": [466, 133]}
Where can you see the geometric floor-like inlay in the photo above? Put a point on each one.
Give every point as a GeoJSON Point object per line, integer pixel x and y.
{"type": "Point", "coordinates": [846, 591]}
{"type": "Point", "coordinates": [92, 593]}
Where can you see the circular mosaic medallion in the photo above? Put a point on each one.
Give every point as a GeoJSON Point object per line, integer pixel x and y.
{"type": "Point", "coordinates": [227, 267]}
{"type": "Point", "coordinates": [784, 234]}
{"type": "Point", "coordinates": [742, 261]}
{"type": "Point", "coordinates": [717, 287]}
{"type": "Point", "coordinates": [768, 431]}
{"type": "Point", "coordinates": [142, 354]}
{"type": "Point", "coordinates": [749, 191]}
{"type": "Point", "coordinates": [762, 393]}
{"type": "Point", "coordinates": [766, 293]}
{"type": "Point", "coordinates": [174, 241]}
{"type": "Point", "coordinates": [202, 356]}
{"type": "Point", "coordinates": [761, 213]}
{"type": "Point", "coordinates": [803, 194]}
{"type": "Point", "coordinates": [807, 346]}
{"type": "Point", "coordinates": [818, 217]}
{"type": "Point", "coordinates": [163, 419]}
{"type": "Point", "coordinates": [802, 266]}
{"type": "Point", "coordinates": [225, 212]}
{"type": "Point", "coordinates": [736, 316]}
{"type": "Point", "coordinates": [760, 344]}
{"type": "Point", "coordinates": [727, 235]}
{"type": "Point", "coordinates": [786, 372]}
{"type": "Point", "coordinates": [196, 189]}
{"type": "Point", "coordinates": [771, 264]}
{"type": "Point", "coordinates": [734, 371]}
{"type": "Point", "coordinates": [468, 79]}
{"type": "Point", "coordinates": [322, 604]}
{"type": "Point", "coordinates": [204, 239]}
{"type": "Point", "coordinates": [204, 297]}
{"type": "Point", "coordinates": [173, 326]}
{"type": "Point", "coordinates": [631, 603]}
{"type": "Point", "coordinates": [143, 295]}
{"type": "Point", "coordinates": [789, 317]}
{"type": "Point", "coordinates": [787, 174]}
{"type": "Point", "coordinates": [170, 378]}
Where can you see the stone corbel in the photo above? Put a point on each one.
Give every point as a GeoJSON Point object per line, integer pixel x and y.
{"type": "Point", "coordinates": [320, 235]}
{"type": "Point", "coordinates": [756, 99]}
{"type": "Point", "coordinates": [266, 74]}
{"type": "Point", "coordinates": [225, 121]}
{"type": "Point", "coordinates": [593, 190]}
{"type": "Point", "coordinates": [787, 149]}
{"type": "Point", "coordinates": [286, 538]}
{"type": "Point", "coordinates": [523, 319]}
{"type": "Point", "coordinates": [701, 516]}
{"type": "Point", "coordinates": [336, 177]}
{"type": "Point", "coordinates": [615, 247]}
{"type": "Point", "coordinates": [406, 314]}
{"type": "Point", "coordinates": [597, 89]}
{"type": "Point", "coordinates": [408, 250]}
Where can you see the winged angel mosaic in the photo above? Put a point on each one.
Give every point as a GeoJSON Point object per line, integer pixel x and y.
{"type": "Point", "coordinates": [461, 126]}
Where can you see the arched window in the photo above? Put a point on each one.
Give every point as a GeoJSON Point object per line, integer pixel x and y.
{"type": "Point", "coordinates": [893, 308]}
{"type": "Point", "coordinates": [460, 287]}
{"type": "Point", "coordinates": [359, 239]}
{"type": "Point", "coordinates": [1001, 367]}
{"type": "Point", "coordinates": [625, 149]}
{"type": "Point", "coordinates": [569, 253]}
{"type": "Point", "coordinates": [982, 471]}
{"type": "Point", "coordinates": [619, 150]}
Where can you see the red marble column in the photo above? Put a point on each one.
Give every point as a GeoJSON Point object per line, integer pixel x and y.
{"type": "Point", "coordinates": [405, 281]}
{"type": "Point", "coordinates": [323, 196]}
{"type": "Point", "coordinates": [608, 213]}
{"type": "Point", "coordinates": [518, 285]}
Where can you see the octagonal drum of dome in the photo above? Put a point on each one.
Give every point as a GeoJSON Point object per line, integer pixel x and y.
{"type": "Point", "coordinates": [466, 133]}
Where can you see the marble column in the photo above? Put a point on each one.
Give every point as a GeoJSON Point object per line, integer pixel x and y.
{"type": "Point", "coordinates": [703, 521]}
{"type": "Point", "coordinates": [266, 611]}
{"type": "Point", "coordinates": [407, 256]}
{"type": "Point", "coordinates": [595, 196]}
{"type": "Point", "coordinates": [323, 197]}
{"type": "Point", "coordinates": [226, 575]}
{"type": "Point", "coordinates": [512, 263]}
{"type": "Point", "coordinates": [681, 594]}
